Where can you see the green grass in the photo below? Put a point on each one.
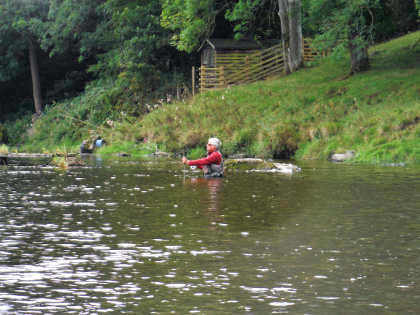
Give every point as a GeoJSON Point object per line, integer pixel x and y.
{"type": "Point", "coordinates": [133, 149]}
{"type": "Point", "coordinates": [309, 114]}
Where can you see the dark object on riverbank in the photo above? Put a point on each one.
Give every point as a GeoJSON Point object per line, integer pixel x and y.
{"type": "Point", "coordinates": [3, 134]}
{"type": "Point", "coordinates": [3, 160]}
{"type": "Point", "coordinates": [123, 154]}
{"type": "Point", "coordinates": [84, 148]}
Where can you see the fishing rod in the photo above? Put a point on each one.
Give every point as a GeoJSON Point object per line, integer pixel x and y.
{"type": "Point", "coordinates": [184, 163]}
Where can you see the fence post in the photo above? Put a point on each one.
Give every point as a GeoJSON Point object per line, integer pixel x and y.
{"type": "Point", "coordinates": [222, 76]}
{"type": "Point", "coordinates": [303, 51]}
{"type": "Point", "coordinates": [279, 56]}
{"type": "Point", "coordinates": [202, 78]}
{"type": "Point", "coordinates": [193, 81]}
{"type": "Point", "coordinates": [247, 67]}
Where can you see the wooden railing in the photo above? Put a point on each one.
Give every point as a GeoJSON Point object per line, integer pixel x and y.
{"type": "Point", "coordinates": [240, 68]}
{"type": "Point", "coordinates": [309, 53]}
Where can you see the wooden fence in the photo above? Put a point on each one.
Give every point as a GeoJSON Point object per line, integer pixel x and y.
{"type": "Point", "coordinates": [239, 68]}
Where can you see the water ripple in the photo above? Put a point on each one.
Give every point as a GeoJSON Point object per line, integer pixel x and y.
{"type": "Point", "coordinates": [144, 240]}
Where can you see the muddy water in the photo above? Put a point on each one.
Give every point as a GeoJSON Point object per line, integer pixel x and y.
{"type": "Point", "coordinates": [142, 237]}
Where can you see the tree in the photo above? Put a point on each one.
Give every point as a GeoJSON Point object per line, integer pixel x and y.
{"type": "Point", "coordinates": [141, 56]}
{"type": "Point", "coordinates": [291, 33]}
{"type": "Point", "coordinates": [194, 20]}
{"type": "Point", "coordinates": [123, 41]}
{"type": "Point", "coordinates": [82, 25]}
{"type": "Point", "coordinates": [345, 25]}
{"type": "Point", "coordinates": [22, 20]}
{"type": "Point", "coordinates": [417, 3]}
{"type": "Point", "coordinates": [245, 14]}
{"type": "Point", "coordinates": [191, 21]}
{"type": "Point", "coordinates": [257, 19]}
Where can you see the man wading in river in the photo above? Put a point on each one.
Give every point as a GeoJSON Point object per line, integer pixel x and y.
{"type": "Point", "coordinates": [212, 165]}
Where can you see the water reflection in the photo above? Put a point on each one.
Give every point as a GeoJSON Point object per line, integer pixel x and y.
{"type": "Point", "coordinates": [138, 238]}
{"type": "Point", "coordinates": [213, 185]}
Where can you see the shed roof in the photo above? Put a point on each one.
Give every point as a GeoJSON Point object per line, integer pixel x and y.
{"type": "Point", "coordinates": [230, 44]}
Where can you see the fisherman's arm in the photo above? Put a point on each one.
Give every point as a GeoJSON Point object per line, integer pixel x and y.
{"type": "Point", "coordinates": [213, 158]}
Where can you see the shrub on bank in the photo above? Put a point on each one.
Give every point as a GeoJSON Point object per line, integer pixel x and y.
{"type": "Point", "coordinates": [17, 130]}
{"type": "Point", "coordinates": [67, 123]}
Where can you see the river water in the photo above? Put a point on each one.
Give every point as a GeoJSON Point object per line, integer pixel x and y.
{"type": "Point", "coordinates": [143, 237]}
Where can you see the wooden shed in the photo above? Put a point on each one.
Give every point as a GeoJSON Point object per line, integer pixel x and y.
{"type": "Point", "coordinates": [216, 52]}
{"type": "Point", "coordinates": [227, 62]}
{"type": "Point", "coordinates": [221, 59]}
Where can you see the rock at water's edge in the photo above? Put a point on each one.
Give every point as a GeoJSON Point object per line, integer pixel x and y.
{"type": "Point", "coordinates": [341, 157]}
{"type": "Point", "coordinates": [261, 166]}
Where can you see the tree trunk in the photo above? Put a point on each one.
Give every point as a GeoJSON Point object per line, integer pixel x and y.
{"type": "Point", "coordinates": [359, 59]}
{"type": "Point", "coordinates": [296, 40]}
{"type": "Point", "coordinates": [358, 53]}
{"type": "Point", "coordinates": [291, 34]}
{"type": "Point", "coordinates": [284, 23]}
{"type": "Point", "coordinates": [36, 83]}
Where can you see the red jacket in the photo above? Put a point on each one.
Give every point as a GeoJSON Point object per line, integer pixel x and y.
{"type": "Point", "coordinates": [213, 158]}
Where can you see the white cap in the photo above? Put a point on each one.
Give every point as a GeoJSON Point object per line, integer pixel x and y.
{"type": "Point", "coordinates": [214, 141]}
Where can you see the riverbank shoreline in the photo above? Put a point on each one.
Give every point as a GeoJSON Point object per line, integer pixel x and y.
{"type": "Point", "coordinates": [232, 163]}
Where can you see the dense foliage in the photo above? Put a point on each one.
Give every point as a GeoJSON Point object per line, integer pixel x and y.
{"type": "Point", "coordinates": [109, 59]}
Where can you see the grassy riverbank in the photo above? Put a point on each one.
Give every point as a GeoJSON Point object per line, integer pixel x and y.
{"type": "Point", "coordinates": [307, 115]}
